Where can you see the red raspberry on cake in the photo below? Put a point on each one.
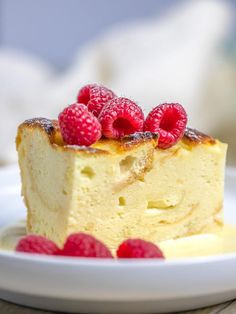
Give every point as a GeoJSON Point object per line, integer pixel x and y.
{"type": "Point", "coordinates": [83, 96]}
{"type": "Point", "coordinates": [137, 248]}
{"type": "Point", "coordinates": [121, 116]}
{"type": "Point", "coordinates": [95, 97]}
{"type": "Point", "coordinates": [36, 244]}
{"type": "Point", "coordinates": [79, 126]}
{"type": "Point", "coordinates": [169, 120]}
{"type": "Point", "coordinates": [85, 245]}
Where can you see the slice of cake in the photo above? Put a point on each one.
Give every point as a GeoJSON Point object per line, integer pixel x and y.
{"type": "Point", "coordinates": [120, 188]}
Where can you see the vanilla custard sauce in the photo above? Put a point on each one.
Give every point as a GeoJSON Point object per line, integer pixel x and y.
{"type": "Point", "coordinates": [192, 246]}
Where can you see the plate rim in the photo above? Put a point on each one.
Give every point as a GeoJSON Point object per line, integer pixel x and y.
{"type": "Point", "coordinates": [101, 263]}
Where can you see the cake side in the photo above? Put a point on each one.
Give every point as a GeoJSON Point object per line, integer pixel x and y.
{"type": "Point", "coordinates": [117, 189]}
{"type": "Point", "coordinates": [181, 194]}
{"type": "Point", "coordinates": [49, 173]}
{"type": "Point", "coordinates": [46, 176]}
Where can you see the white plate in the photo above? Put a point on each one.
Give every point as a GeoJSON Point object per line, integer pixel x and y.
{"type": "Point", "coordinates": [103, 286]}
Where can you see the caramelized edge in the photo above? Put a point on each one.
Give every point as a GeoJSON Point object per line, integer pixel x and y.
{"type": "Point", "coordinates": [195, 137]}
{"type": "Point", "coordinates": [52, 130]}
{"type": "Point", "coordinates": [191, 137]}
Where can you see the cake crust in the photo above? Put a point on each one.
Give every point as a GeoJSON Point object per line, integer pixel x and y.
{"type": "Point", "coordinates": [195, 137]}
{"type": "Point", "coordinates": [192, 137]}
{"type": "Point", "coordinates": [52, 130]}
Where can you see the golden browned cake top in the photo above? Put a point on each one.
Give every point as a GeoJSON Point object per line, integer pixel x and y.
{"type": "Point", "coordinates": [52, 130]}
{"type": "Point", "coordinates": [194, 137]}
{"type": "Point", "coordinates": [49, 126]}
{"type": "Point", "coordinates": [191, 137]}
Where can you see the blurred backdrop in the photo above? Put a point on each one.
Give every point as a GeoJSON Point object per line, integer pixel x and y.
{"type": "Point", "coordinates": [152, 51]}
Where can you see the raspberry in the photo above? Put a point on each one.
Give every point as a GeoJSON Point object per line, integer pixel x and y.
{"type": "Point", "coordinates": [36, 244]}
{"type": "Point", "coordinates": [84, 245]}
{"type": "Point", "coordinates": [84, 94]}
{"type": "Point", "coordinates": [120, 117]}
{"type": "Point", "coordinates": [169, 120]}
{"type": "Point", "coordinates": [79, 126]}
{"type": "Point", "coordinates": [137, 248]}
{"type": "Point", "coordinates": [95, 97]}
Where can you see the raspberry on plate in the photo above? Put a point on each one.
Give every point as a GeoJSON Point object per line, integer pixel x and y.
{"type": "Point", "coordinates": [169, 120]}
{"type": "Point", "coordinates": [79, 126]}
{"type": "Point", "coordinates": [121, 116]}
{"type": "Point", "coordinates": [84, 245]}
{"type": "Point", "coordinates": [36, 244]}
{"type": "Point", "coordinates": [95, 97]}
{"type": "Point", "coordinates": [137, 248]}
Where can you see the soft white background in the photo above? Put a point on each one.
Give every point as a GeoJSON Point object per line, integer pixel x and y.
{"type": "Point", "coordinates": [151, 51]}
